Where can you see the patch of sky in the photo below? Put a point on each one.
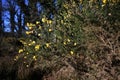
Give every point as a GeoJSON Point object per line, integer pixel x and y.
{"type": "Point", "coordinates": [39, 7]}
{"type": "Point", "coordinates": [55, 3]}
{"type": "Point", "coordinates": [26, 2]}
{"type": "Point", "coordinates": [51, 16]}
{"type": "Point", "coordinates": [6, 26]}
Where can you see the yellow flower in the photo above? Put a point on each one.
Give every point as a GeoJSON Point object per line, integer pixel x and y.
{"type": "Point", "coordinates": [73, 4]}
{"type": "Point", "coordinates": [64, 18]}
{"type": "Point", "coordinates": [75, 44]}
{"type": "Point", "coordinates": [29, 44]}
{"type": "Point", "coordinates": [27, 65]}
{"type": "Point", "coordinates": [66, 6]}
{"type": "Point", "coordinates": [91, 0]}
{"type": "Point", "coordinates": [24, 62]}
{"type": "Point", "coordinates": [40, 27]}
{"type": "Point", "coordinates": [31, 24]}
{"type": "Point", "coordinates": [68, 40]}
{"type": "Point", "coordinates": [27, 53]}
{"type": "Point", "coordinates": [39, 34]}
{"type": "Point", "coordinates": [71, 52]}
{"type": "Point", "coordinates": [37, 47]}
{"type": "Point", "coordinates": [28, 24]}
{"type": "Point", "coordinates": [47, 44]}
{"type": "Point", "coordinates": [69, 12]}
{"type": "Point", "coordinates": [50, 30]}
{"type": "Point", "coordinates": [25, 57]}
{"type": "Point", "coordinates": [62, 21]}
{"type": "Point", "coordinates": [33, 42]}
{"type": "Point", "coordinates": [103, 5]}
{"type": "Point", "coordinates": [104, 1]}
{"type": "Point", "coordinates": [43, 19]}
{"type": "Point", "coordinates": [64, 43]}
{"type": "Point", "coordinates": [37, 22]}
{"type": "Point", "coordinates": [28, 32]}
{"type": "Point", "coordinates": [49, 21]}
{"type": "Point", "coordinates": [81, 1]}
{"type": "Point", "coordinates": [16, 57]}
{"type": "Point", "coordinates": [34, 57]}
{"type": "Point", "coordinates": [20, 50]}
{"type": "Point", "coordinates": [30, 28]}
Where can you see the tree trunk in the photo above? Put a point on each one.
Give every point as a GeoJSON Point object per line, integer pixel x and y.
{"type": "Point", "coordinates": [1, 27]}
{"type": "Point", "coordinates": [20, 24]}
{"type": "Point", "coordinates": [12, 19]}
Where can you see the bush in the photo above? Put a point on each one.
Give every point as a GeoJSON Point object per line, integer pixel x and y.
{"type": "Point", "coordinates": [83, 30]}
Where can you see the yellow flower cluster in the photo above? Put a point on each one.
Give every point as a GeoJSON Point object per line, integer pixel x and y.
{"type": "Point", "coordinates": [47, 21]}
{"type": "Point", "coordinates": [37, 47]}
{"type": "Point", "coordinates": [29, 32]}
{"type": "Point", "coordinates": [30, 24]}
{"type": "Point", "coordinates": [67, 41]}
{"type": "Point", "coordinates": [31, 43]}
{"type": "Point", "coordinates": [44, 19]}
{"type": "Point", "coordinates": [73, 4]}
{"type": "Point", "coordinates": [65, 6]}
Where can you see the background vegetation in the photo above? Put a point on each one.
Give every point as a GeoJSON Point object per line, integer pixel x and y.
{"type": "Point", "coordinates": [65, 40]}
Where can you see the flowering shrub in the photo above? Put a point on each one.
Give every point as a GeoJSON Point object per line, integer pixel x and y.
{"type": "Point", "coordinates": [65, 33]}
{"type": "Point", "coordinates": [60, 35]}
